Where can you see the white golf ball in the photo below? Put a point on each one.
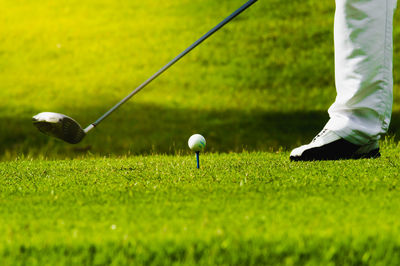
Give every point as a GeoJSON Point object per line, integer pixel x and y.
{"type": "Point", "coordinates": [197, 142]}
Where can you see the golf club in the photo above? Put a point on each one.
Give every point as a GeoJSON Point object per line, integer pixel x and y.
{"type": "Point", "coordinates": [68, 130]}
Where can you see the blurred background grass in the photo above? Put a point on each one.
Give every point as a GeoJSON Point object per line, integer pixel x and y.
{"type": "Point", "coordinates": [264, 82]}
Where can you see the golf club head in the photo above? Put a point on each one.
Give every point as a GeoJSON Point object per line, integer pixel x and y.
{"type": "Point", "coordinates": [59, 126]}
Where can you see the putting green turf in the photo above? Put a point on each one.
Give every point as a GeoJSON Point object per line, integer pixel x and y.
{"type": "Point", "coordinates": [243, 209]}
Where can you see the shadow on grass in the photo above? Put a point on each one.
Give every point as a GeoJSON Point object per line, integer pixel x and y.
{"type": "Point", "coordinates": [148, 129]}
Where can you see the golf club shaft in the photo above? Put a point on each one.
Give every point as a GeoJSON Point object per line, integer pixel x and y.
{"type": "Point", "coordinates": [173, 61]}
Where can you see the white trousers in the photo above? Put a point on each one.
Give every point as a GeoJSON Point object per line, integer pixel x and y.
{"type": "Point", "coordinates": [363, 35]}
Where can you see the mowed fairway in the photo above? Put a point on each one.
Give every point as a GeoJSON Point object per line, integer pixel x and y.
{"type": "Point", "coordinates": [243, 209]}
{"type": "Point", "coordinates": [130, 193]}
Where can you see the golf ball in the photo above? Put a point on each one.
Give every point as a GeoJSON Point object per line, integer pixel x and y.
{"type": "Point", "coordinates": [197, 142]}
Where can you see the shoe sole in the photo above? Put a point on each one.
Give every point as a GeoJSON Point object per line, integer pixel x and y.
{"type": "Point", "coordinates": [337, 150]}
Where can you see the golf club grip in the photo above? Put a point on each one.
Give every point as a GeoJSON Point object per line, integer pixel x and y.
{"type": "Point", "coordinates": [173, 61]}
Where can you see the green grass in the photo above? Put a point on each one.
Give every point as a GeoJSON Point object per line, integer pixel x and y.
{"type": "Point", "coordinates": [262, 83]}
{"type": "Point", "coordinates": [242, 209]}
{"type": "Point", "coordinates": [130, 192]}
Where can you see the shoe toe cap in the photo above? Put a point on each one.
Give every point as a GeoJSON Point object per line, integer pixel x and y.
{"type": "Point", "coordinates": [297, 152]}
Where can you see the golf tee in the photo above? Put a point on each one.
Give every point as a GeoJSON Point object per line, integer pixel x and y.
{"type": "Point", "coordinates": [198, 159]}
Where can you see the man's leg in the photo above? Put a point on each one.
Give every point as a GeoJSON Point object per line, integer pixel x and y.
{"type": "Point", "coordinates": [364, 82]}
{"type": "Point", "coordinates": [363, 69]}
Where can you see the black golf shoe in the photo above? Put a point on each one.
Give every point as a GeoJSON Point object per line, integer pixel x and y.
{"type": "Point", "coordinates": [329, 146]}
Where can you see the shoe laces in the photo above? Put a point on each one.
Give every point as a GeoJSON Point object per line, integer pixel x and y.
{"type": "Point", "coordinates": [320, 134]}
